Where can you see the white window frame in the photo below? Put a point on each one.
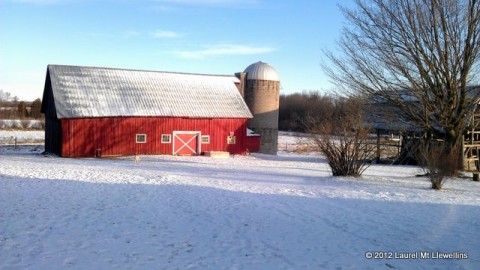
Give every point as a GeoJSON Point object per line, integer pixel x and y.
{"type": "Point", "coordinates": [139, 135]}
{"type": "Point", "coordinates": [169, 136]}
{"type": "Point", "coordinates": [205, 139]}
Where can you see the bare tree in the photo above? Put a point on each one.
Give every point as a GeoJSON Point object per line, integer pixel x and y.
{"type": "Point", "coordinates": [22, 110]}
{"type": "Point", "coordinates": [300, 111]}
{"type": "Point", "coordinates": [418, 55]}
{"type": "Point", "coordinates": [4, 95]}
{"type": "Point", "coordinates": [36, 108]}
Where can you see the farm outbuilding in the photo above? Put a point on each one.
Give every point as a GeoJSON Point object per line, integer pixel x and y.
{"type": "Point", "coordinates": [93, 111]}
{"type": "Point", "coordinates": [395, 130]}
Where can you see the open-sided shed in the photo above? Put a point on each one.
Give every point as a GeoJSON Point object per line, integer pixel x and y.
{"type": "Point", "coordinates": [391, 122]}
{"type": "Point", "coordinates": [93, 111]}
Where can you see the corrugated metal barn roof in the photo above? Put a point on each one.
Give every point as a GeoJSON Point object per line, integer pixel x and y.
{"type": "Point", "coordinates": [102, 92]}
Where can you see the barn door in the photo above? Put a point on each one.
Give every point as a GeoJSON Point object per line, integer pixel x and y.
{"type": "Point", "coordinates": [186, 143]}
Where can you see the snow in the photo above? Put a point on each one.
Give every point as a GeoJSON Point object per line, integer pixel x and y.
{"type": "Point", "coordinates": [7, 137]}
{"type": "Point", "coordinates": [21, 124]}
{"type": "Point", "coordinates": [242, 212]}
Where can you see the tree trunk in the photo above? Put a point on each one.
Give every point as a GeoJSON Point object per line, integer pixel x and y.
{"type": "Point", "coordinates": [450, 156]}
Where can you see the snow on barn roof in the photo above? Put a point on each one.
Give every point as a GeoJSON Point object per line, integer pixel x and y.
{"type": "Point", "coordinates": [104, 92]}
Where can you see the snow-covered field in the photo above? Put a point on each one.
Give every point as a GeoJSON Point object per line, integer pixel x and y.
{"type": "Point", "coordinates": [8, 137]}
{"type": "Point", "coordinates": [243, 212]}
{"type": "Point", "coordinates": [21, 124]}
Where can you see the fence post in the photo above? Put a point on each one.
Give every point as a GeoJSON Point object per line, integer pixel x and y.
{"type": "Point", "coordinates": [379, 152]}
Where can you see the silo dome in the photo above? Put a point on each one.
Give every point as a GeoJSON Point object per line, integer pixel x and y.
{"type": "Point", "coordinates": [261, 71]}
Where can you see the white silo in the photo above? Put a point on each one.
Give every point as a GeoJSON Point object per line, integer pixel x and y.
{"type": "Point", "coordinates": [262, 94]}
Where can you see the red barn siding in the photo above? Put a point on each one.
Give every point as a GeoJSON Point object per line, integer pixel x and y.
{"type": "Point", "coordinates": [253, 143]}
{"type": "Point", "coordinates": [87, 137]}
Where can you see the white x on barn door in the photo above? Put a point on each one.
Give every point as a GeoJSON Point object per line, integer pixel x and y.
{"type": "Point", "coordinates": [186, 143]}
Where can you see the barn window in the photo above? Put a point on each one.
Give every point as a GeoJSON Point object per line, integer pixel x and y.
{"type": "Point", "coordinates": [205, 139]}
{"type": "Point", "coordinates": [166, 138]}
{"type": "Point", "coordinates": [141, 138]}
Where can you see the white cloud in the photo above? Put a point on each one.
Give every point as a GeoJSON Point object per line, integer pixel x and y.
{"type": "Point", "coordinates": [224, 49]}
{"type": "Point", "coordinates": [128, 34]}
{"type": "Point", "coordinates": [165, 34]}
{"type": "Point", "coordinates": [210, 2]}
{"type": "Point", "coordinates": [39, 2]}
{"type": "Point", "coordinates": [168, 6]}
{"type": "Point", "coordinates": [160, 9]}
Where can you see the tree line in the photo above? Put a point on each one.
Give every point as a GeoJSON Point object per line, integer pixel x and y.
{"type": "Point", "coordinates": [303, 112]}
{"type": "Point", "coordinates": [20, 109]}
{"type": "Point", "coordinates": [13, 108]}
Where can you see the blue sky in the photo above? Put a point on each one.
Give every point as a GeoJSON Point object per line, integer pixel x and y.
{"type": "Point", "coordinates": [197, 36]}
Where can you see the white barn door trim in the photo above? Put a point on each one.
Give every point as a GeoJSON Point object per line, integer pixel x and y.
{"type": "Point", "coordinates": [183, 144]}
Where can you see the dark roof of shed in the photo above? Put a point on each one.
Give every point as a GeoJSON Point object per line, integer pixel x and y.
{"type": "Point", "coordinates": [382, 115]}
{"type": "Point", "coordinates": [104, 92]}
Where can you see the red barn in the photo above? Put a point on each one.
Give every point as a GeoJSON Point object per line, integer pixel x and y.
{"type": "Point", "coordinates": [92, 111]}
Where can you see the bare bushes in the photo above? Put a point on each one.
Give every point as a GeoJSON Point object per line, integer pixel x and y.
{"type": "Point", "coordinates": [344, 141]}
{"type": "Point", "coordinates": [438, 162]}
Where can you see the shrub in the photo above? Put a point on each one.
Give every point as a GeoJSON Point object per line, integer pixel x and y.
{"type": "Point", "coordinates": [345, 144]}
{"type": "Point", "coordinates": [438, 162]}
